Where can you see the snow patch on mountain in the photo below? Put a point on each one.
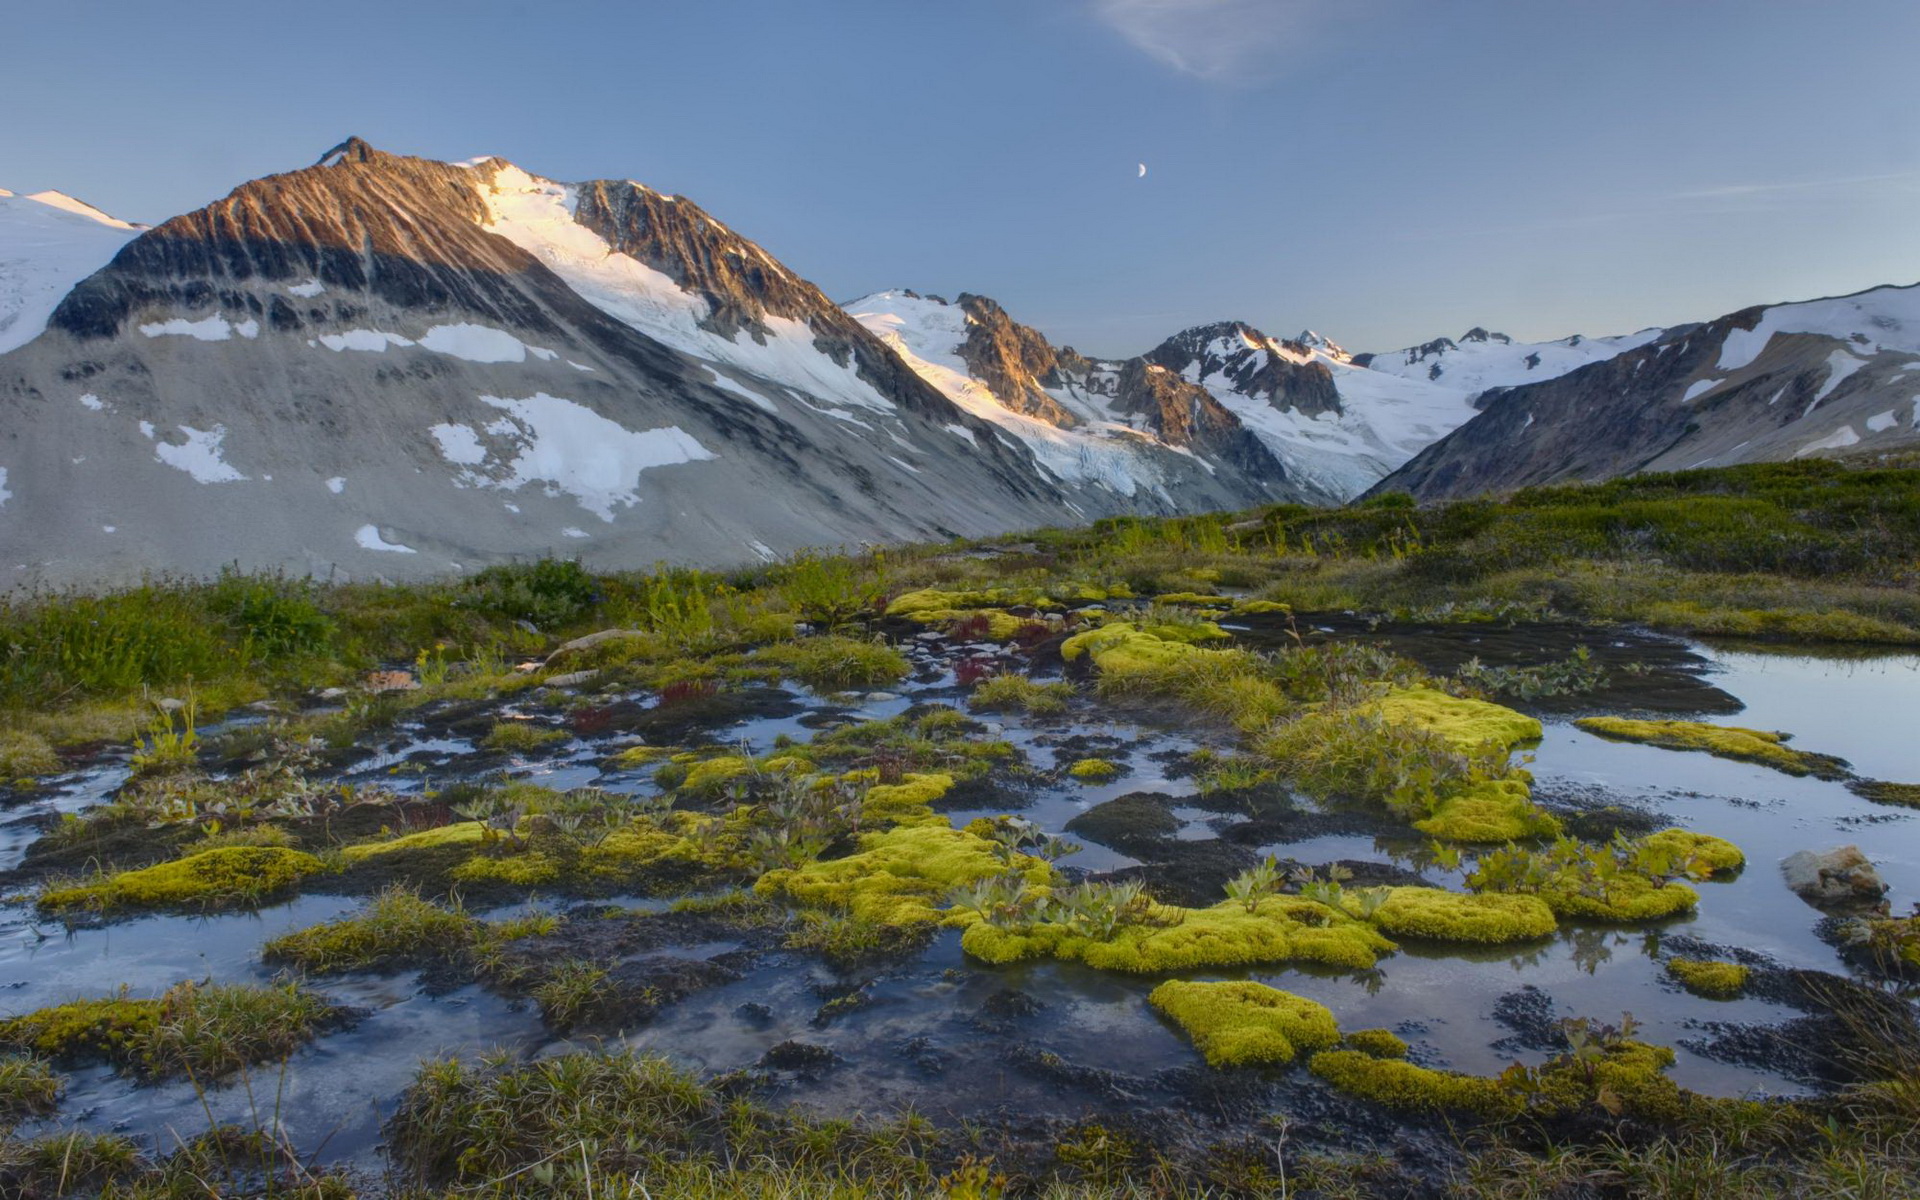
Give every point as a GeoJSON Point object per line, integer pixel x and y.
{"type": "Point", "coordinates": [199, 456]}
{"type": "Point", "coordinates": [367, 341]}
{"type": "Point", "coordinates": [1482, 360]}
{"type": "Point", "coordinates": [215, 328]}
{"type": "Point", "coordinates": [368, 538]}
{"type": "Point", "coordinates": [566, 447]}
{"type": "Point", "coordinates": [1883, 318]}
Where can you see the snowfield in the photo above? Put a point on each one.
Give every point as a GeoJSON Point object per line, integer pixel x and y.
{"type": "Point", "coordinates": [48, 243]}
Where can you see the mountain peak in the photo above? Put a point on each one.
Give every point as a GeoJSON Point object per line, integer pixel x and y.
{"type": "Point", "coordinates": [352, 150]}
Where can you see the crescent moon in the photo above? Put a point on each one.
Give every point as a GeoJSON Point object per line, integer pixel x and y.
{"type": "Point", "coordinates": [1143, 171]}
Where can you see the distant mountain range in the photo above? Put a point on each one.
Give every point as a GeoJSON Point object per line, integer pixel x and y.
{"type": "Point", "coordinates": [383, 366]}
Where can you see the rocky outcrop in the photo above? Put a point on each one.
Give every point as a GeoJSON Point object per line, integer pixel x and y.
{"type": "Point", "coordinates": [1015, 361]}
{"type": "Point", "coordinates": [1252, 364]}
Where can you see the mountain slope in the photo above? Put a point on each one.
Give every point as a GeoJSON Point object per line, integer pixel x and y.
{"type": "Point", "coordinates": [1766, 383]}
{"type": "Point", "coordinates": [383, 365]}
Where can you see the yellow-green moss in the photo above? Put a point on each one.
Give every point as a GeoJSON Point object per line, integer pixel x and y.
{"type": "Point", "coordinates": [1194, 600]}
{"type": "Point", "coordinates": [1627, 899]}
{"type": "Point", "coordinates": [1240, 1023]}
{"type": "Point", "coordinates": [111, 1028]}
{"type": "Point", "coordinates": [459, 833]}
{"type": "Point", "coordinates": [1020, 693]}
{"type": "Point", "coordinates": [520, 737]}
{"type": "Point", "coordinates": [1436, 915]}
{"type": "Point", "coordinates": [919, 604]}
{"type": "Point", "coordinates": [907, 802]}
{"type": "Point", "coordinates": [1722, 741]}
{"type": "Point", "coordinates": [1714, 980]}
{"type": "Point", "coordinates": [396, 925]}
{"type": "Point", "coordinates": [1698, 855]}
{"type": "Point", "coordinates": [229, 875]}
{"type": "Point", "coordinates": [1094, 770]}
{"type": "Point", "coordinates": [1907, 795]}
{"type": "Point", "coordinates": [899, 876]}
{"type": "Point", "coordinates": [1399, 1084]}
{"type": "Point", "coordinates": [1467, 725]}
{"type": "Point", "coordinates": [704, 776]}
{"type": "Point", "coordinates": [1121, 647]}
{"type": "Point", "coordinates": [1281, 929]}
{"type": "Point", "coordinates": [1375, 1043]}
{"type": "Point", "coordinates": [828, 662]}
{"type": "Point", "coordinates": [637, 756]}
{"type": "Point", "coordinates": [1490, 810]}
{"type": "Point", "coordinates": [24, 753]}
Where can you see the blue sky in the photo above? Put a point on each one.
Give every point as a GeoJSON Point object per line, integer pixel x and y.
{"type": "Point", "coordinates": [1384, 171]}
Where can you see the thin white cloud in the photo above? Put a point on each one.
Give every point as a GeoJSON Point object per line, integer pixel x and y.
{"type": "Point", "coordinates": [1729, 191]}
{"type": "Point", "coordinates": [1221, 41]}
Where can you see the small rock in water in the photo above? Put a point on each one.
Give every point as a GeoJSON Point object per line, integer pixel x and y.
{"type": "Point", "coordinates": [572, 679]}
{"type": "Point", "coordinates": [1841, 875]}
{"type": "Point", "coordinates": [880, 697]}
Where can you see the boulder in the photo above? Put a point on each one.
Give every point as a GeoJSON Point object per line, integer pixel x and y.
{"type": "Point", "coordinates": [1838, 876]}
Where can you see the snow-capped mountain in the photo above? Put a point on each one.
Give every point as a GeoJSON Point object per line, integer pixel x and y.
{"type": "Point", "coordinates": [1482, 360]}
{"type": "Point", "coordinates": [1105, 431]}
{"type": "Point", "coordinates": [1337, 427]}
{"type": "Point", "coordinates": [48, 242]}
{"type": "Point", "coordinates": [383, 365]}
{"type": "Point", "coordinates": [1767, 383]}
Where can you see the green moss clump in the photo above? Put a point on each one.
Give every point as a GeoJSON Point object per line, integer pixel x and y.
{"type": "Point", "coordinates": [705, 776]}
{"type": "Point", "coordinates": [203, 1031]}
{"type": "Point", "coordinates": [1094, 770]}
{"type": "Point", "coordinates": [1696, 855]}
{"type": "Point", "coordinates": [1398, 1084]}
{"type": "Point", "coordinates": [1018, 693]}
{"type": "Point", "coordinates": [113, 1029]}
{"type": "Point", "coordinates": [908, 802]}
{"type": "Point", "coordinates": [1466, 725]}
{"type": "Point", "coordinates": [933, 605]}
{"type": "Point", "coordinates": [899, 876]}
{"type": "Point", "coordinates": [1122, 648]}
{"type": "Point", "coordinates": [397, 926]}
{"type": "Point", "coordinates": [1490, 811]}
{"type": "Point", "coordinates": [830, 662]}
{"type": "Point", "coordinates": [24, 754]}
{"type": "Point", "coordinates": [1722, 741]}
{"type": "Point", "coordinates": [214, 878]}
{"type": "Point", "coordinates": [521, 737]}
{"type": "Point", "coordinates": [1713, 980]}
{"type": "Point", "coordinates": [1907, 795]}
{"type": "Point", "coordinates": [1281, 929]}
{"type": "Point", "coordinates": [457, 834]}
{"type": "Point", "coordinates": [1375, 1043]}
{"type": "Point", "coordinates": [1437, 915]}
{"type": "Point", "coordinates": [28, 1088]}
{"type": "Point", "coordinates": [1241, 1023]}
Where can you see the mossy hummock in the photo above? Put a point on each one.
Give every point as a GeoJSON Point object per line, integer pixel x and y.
{"type": "Point", "coordinates": [900, 876]}
{"type": "Point", "coordinates": [1769, 749]}
{"type": "Point", "coordinates": [1468, 726]}
{"type": "Point", "coordinates": [1241, 1023]}
{"type": "Point", "coordinates": [229, 875]}
{"type": "Point", "coordinates": [1281, 929]}
{"type": "Point", "coordinates": [1436, 915]}
{"type": "Point", "coordinates": [1713, 980]}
